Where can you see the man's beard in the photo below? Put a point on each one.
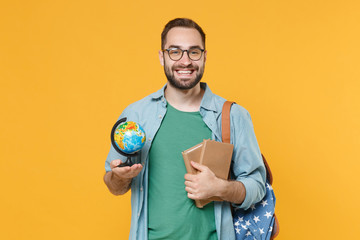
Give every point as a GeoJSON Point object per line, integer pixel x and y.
{"type": "Point", "coordinates": [180, 84]}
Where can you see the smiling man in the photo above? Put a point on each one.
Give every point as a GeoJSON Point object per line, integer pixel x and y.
{"type": "Point", "coordinates": [183, 72]}
{"type": "Point", "coordinates": [177, 117]}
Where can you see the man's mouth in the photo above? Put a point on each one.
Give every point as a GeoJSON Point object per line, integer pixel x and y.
{"type": "Point", "coordinates": [184, 73]}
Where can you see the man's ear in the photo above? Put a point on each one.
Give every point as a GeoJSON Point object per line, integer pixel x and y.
{"type": "Point", "coordinates": [205, 54]}
{"type": "Point", "coordinates": [161, 57]}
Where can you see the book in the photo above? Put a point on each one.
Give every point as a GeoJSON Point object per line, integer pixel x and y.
{"type": "Point", "coordinates": [192, 154]}
{"type": "Point", "coordinates": [215, 155]}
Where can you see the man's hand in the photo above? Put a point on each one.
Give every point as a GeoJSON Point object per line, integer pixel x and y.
{"type": "Point", "coordinates": [124, 172]}
{"type": "Point", "coordinates": [205, 185]}
{"type": "Point", "coordinates": [202, 185]}
{"type": "Point", "coordinates": [118, 180]}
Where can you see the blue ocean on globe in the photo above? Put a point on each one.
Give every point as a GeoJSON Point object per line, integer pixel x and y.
{"type": "Point", "coordinates": [129, 137]}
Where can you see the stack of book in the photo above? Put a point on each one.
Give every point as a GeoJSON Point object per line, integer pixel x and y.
{"type": "Point", "coordinates": [215, 155]}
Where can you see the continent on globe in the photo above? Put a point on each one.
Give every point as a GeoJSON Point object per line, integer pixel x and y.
{"type": "Point", "coordinates": [129, 137]}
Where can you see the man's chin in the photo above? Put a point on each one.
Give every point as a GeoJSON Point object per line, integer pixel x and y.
{"type": "Point", "coordinates": [183, 84]}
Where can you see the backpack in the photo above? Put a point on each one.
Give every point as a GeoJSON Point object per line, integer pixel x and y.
{"type": "Point", "coordinates": [259, 221]}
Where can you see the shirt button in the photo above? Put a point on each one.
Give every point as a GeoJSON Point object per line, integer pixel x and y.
{"type": "Point", "coordinates": [160, 116]}
{"type": "Point", "coordinates": [149, 139]}
{"type": "Point", "coordinates": [141, 189]}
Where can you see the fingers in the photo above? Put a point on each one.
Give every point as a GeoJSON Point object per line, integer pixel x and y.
{"type": "Point", "coordinates": [125, 172]}
{"type": "Point", "coordinates": [192, 196]}
{"type": "Point", "coordinates": [200, 185]}
{"type": "Point", "coordinates": [136, 169]}
{"type": "Point", "coordinates": [115, 163]}
{"type": "Point", "coordinates": [190, 177]}
{"type": "Point", "coordinates": [198, 166]}
{"type": "Point", "coordinates": [191, 193]}
{"type": "Point", "coordinates": [190, 184]}
{"type": "Point", "coordinates": [192, 189]}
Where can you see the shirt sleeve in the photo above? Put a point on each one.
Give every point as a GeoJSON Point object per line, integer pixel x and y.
{"type": "Point", "coordinates": [247, 164]}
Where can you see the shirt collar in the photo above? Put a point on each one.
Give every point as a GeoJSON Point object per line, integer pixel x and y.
{"type": "Point", "coordinates": [207, 101]}
{"type": "Point", "coordinates": [159, 94]}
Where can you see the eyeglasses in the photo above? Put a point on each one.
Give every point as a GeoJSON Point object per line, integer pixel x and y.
{"type": "Point", "coordinates": [176, 54]}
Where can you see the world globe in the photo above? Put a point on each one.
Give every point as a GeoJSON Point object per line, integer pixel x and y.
{"type": "Point", "coordinates": [129, 137]}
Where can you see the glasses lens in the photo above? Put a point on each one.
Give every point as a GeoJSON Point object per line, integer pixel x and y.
{"type": "Point", "coordinates": [195, 54]}
{"type": "Point", "coordinates": [175, 54]}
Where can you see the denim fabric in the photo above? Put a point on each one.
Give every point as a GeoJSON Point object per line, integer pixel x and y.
{"type": "Point", "coordinates": [246, 166]}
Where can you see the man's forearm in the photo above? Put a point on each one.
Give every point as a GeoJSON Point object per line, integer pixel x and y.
{"type": "Point", "coordinates": [117, 186]}
{"type": "Point", "coordinates": [231, 191]}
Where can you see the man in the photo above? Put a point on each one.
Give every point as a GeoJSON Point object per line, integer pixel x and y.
{"type": "Point", "coordinates": [177, 117]}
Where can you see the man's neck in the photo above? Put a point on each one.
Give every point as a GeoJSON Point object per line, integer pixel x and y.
{"type": "Point", "coordinates": [185, 100]}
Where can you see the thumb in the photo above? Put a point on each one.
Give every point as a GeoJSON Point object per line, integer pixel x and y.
{"type": "Point", "coordinates": [115, 163]}
{"type": "Point", "coordinates": [198, 166]}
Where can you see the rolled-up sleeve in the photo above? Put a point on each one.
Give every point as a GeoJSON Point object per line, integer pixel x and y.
{"type": "Point", "coordinates": [247, 163]}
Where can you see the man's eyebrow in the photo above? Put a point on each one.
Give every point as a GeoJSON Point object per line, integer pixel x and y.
{"type": "Point", "coordinates": [177, 46]}
{"type": "Point", "coordinates": [174, 46]}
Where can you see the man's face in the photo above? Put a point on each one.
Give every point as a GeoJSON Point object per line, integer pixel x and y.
{"type": "Point", "coordinates": [184, 73]}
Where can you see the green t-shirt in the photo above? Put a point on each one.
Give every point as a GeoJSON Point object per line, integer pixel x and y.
{"type": "Point", "coordinates": [171, 214]}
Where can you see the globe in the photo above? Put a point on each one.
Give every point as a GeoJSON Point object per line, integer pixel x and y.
{"type": "Point", "coordinates": [129, 137]}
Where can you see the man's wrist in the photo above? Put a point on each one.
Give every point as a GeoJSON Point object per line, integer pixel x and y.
{"type": "Point", "coordinates": [231, 191]}
{"type": "Point", "coordinates": [221, 186]}
{"type": "Point", "coordinates": [115, 178]}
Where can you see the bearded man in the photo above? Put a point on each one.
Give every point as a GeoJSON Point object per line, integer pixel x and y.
{"type": "Point", "coordinates": [175, 118]}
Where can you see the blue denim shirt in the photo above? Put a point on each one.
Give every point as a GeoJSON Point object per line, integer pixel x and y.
{"type": "Point", "coordinates": [246, 166]}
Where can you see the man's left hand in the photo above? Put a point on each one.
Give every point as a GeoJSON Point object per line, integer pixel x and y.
{"type": "Point", "coordinates": [202, 185]}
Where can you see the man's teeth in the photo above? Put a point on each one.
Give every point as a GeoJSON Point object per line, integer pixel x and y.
{"type": "Point", "coordinates": [184, 72]}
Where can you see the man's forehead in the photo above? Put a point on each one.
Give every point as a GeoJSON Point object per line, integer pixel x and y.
{"type": "Point", "coordinates": [183, 37]}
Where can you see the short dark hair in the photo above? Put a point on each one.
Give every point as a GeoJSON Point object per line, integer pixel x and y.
{"type": "Point", "coordinates": [181, 22]}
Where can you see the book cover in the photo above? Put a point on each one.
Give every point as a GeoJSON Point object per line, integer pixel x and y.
{"type": "Point", "coordinates": [214, 155]}
{"type": "Point", "coordinates": [192, 154]}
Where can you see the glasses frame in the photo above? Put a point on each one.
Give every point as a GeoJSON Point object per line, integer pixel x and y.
{"type": "Point", "coordinates": [182, 53]}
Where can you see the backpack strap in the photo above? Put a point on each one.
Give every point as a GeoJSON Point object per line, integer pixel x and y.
{"type": "Point", "coordinates": [225, 132]}
{"type": "Point", "coordinates": [225, 122]}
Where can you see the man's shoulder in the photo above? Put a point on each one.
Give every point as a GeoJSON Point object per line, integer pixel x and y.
{"type": "Point", "coordinates": [137, 105]}
{"type": "Point", "coordinates": [144, 104]}
{"type": "Point", "coordinates": [236, 109]}
{"type": "Point", "coordinates": [216, 102]}
{"type": "Point", "coordinates": [239, 110]}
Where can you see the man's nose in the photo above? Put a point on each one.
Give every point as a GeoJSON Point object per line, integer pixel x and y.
{"type": "Point", "coordinates": [185, 58]}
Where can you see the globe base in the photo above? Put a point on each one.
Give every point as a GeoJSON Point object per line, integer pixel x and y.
{"type": "Point", "coordinates": [128, 162]}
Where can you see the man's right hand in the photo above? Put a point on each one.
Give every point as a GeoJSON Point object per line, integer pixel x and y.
{"type": "Point", "coordinates": [118, 180]}
{"type": "Point", "coordinates": [124, 172]}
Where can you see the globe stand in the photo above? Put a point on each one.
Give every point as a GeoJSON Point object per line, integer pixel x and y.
{"type": "Point", "coordinates": [128, 161]}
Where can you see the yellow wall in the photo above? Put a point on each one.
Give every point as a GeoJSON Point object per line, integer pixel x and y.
{"type": "Point", "coordinates": [68, 68]}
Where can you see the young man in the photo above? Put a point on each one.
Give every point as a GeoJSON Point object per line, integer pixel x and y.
{"type": "Point", "coordinates": [177, 117]}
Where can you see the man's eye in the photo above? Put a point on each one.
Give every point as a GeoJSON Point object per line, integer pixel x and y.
{"type": "Point", "coordinates": [174, 52]}
{"type": "Point", "coordinates": [194, 52]}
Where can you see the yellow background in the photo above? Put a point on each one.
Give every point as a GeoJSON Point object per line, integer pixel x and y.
{"type": "Point", "coordinates": [68, 69]}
